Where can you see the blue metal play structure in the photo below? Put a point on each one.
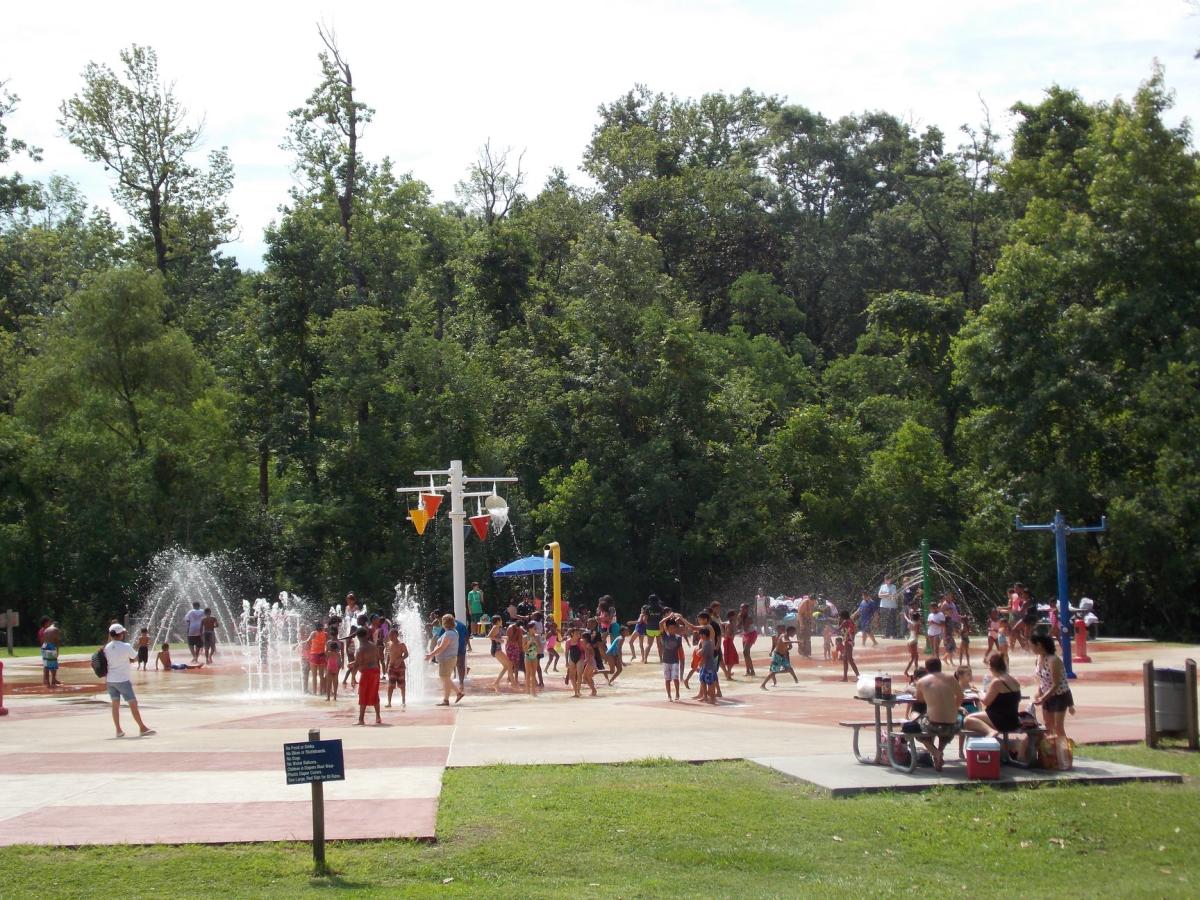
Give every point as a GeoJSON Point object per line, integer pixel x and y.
{"type": "Point", "coordinates": [1061, 529]}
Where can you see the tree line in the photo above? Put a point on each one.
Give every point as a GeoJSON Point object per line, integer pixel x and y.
{"type": "Point", "coordinates": [758, 337]}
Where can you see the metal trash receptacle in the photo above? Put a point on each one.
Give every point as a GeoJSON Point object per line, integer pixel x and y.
{"type": "Point", "coordinates": [1170, 699]}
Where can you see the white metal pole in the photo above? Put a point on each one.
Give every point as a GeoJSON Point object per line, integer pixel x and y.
{"type": "Point", "coordinates": [458, 551]}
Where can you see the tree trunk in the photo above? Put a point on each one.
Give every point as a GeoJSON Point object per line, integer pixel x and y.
{"type": "Point", "coordinates": [264, 482]}
{"type": "Point", "coordinates": [160, 245]}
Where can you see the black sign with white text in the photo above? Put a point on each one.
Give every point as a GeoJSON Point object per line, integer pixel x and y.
{"type": "Point", "coordinates": [309, 761]}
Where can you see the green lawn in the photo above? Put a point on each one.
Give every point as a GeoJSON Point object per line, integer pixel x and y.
{"type": "Point", "coordinates": [726, 829]}
{"type": "Point", "coordinates": [37, 651]}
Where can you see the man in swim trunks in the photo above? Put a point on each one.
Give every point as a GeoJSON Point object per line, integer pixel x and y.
{"type": "Point", "coordinates": [208, 629]}
{"type": "Point", "coordinates": [195, 630]}
{"type": "Point", "coordinates": [366, 661]}
{"type": "Point", "coordinates": [943, 697]}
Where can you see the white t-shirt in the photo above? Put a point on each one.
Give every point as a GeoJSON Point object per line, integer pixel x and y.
{"type": "Point", "coordinates": [119, 667]}
{"type": "Point", "coordinates": [194, 618]}
{"type": "Point", "coordinates": [887, 596]}
{"type": "Point", "coordinates": [936, 621]}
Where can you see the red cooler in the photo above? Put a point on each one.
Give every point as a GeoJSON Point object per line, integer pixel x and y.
{"type": "Point", "coordinates": [983, 758]}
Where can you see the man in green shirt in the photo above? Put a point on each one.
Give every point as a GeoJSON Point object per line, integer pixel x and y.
{"type": "Point", "coordinates": [475, 602]}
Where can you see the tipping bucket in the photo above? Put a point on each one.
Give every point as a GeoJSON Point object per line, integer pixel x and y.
{"type": "Point", "coordinates": [480, 523]}
{"type": "Point", "coordinates": [430, 503]}
{"type": "Point", "coordinates": [419, 518]}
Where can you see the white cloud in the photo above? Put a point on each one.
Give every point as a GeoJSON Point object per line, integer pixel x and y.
{"type": "Point", "coordinates": [444, 77]}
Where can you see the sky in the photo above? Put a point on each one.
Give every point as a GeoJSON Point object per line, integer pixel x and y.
{"type": "Point", "coordinates": [445, 77]}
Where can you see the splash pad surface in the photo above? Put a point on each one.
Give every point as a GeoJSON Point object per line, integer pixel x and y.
{"type": "Point", "coordinates": [214, 771]}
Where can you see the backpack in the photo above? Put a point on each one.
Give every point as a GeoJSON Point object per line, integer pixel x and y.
{"type": "Point", "coordinates": [100, 663]}
{"type": "Point", "coordinates": [900, 750]}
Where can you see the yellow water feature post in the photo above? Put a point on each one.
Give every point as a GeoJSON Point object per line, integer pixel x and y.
{"type": "Point", "coordinates": [556, 611]}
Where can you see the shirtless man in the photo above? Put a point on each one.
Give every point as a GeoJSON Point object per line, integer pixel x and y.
{"type": "Point", "coordinates": [942, 696]}
{"type": "Point", "coordinates": [208, 629]}
{"type": "Point", "coordinates": [367, 661]}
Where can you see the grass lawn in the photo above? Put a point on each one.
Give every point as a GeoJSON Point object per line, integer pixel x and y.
{"type": "Point", "coordinates": [37, 651]}
{"type": "Point", "coordinates": [725, 829]}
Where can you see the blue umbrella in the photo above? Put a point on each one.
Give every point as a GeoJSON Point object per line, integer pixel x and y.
{"type": "Point", "coordinates": [529, 565]}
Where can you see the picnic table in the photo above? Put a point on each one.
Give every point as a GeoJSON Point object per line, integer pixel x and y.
{"type": "Point", "coordinates": [883, 725]}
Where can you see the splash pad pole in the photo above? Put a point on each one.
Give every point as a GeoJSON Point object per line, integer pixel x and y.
{"type": "Point", "coordinates": [926, 591]}
{"type": "Point", "coordinates": [455, 487]}
{"type": "Point", "coordinates": [1061, 529]}
{"type": "Point", "coordinates": [552, 551]}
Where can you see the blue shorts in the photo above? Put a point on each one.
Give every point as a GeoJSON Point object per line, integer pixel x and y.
{"type": "Point", "coordinates": [708, 676]}
{"type": "Point", "coordinates": [119, 689]}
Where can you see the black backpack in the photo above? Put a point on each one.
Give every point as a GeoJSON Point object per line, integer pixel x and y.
{"type": "Point", "coordinates": [100, 663]}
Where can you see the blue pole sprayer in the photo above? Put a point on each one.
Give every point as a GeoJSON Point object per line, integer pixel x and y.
{"type": "Point", "coordinates": [1061, 529]}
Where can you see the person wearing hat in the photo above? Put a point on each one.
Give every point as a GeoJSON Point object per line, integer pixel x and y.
{"type": "Point", "coordinates": [119, 678]}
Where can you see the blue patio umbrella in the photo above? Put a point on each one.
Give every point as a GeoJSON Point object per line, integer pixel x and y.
{"type": "Point", "coordinates": [529, 565]}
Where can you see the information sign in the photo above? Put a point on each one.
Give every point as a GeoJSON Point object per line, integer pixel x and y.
{"type": "Point", "coordinates": [306, 762]}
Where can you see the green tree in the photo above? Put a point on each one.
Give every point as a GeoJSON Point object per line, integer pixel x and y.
{"type": "Point", "coordinates": [136, 127]}
{"type": "Point", "coordinates": [1091, 312]}
{"type": "Point", "coordinates": [14, 192]}
{"type": "Point", "coordinates": [128, 440]}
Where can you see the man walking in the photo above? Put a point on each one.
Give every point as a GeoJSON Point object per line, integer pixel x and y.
{"type": "Point", "coordinates": [195, 630]}
{"type": "Point", "coordinates": [118, 654]}
{"type": "Point", "coordinates": [889, 607]}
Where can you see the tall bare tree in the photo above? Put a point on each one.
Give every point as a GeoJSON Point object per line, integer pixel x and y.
{"type": "Point", "coordinates": [325, 132]}
{"type": "Point", "coordinates": [489, 186]}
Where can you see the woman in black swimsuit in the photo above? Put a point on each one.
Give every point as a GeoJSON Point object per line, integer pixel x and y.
{"type": "Point", "coordinates": [1000, 703]}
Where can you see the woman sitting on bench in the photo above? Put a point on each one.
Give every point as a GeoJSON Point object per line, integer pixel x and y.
{"type": "Point", "coordinates": [1000, 704]}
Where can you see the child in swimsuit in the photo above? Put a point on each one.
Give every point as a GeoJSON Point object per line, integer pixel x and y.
{"type": "Point", "coordinates": [574, 656]}
{"type": "Point", "coordinates": [848, 629]}
{"type": "Point", "coordinates": [397, 653]}
{"type": "Point", "coordinates": [615, 654]}
{"type": "Point", "coordinates": [333, 665]}
{"type": "Point", "coordinates": [781, 649]}
{"type": "Point", "coordinates": [552, 654]}
{"type": "Point", "coordinates": [587, 663]}
{"type": "Point", "coordinates": [531, 650]}
{"type": "Point", "coordinates": [143, 649]}
{"type": "Point", "coordinates": [695, 664]}
{"type": "Point", "coordinates": [164, 658]}
{"type": "Point", "coordinates": [50, 664]}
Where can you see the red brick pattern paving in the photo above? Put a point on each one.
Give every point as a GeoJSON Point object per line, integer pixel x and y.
{"type": "Point", "coordinates": [220, 823]}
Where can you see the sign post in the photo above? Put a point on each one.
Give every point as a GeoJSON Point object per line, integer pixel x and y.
{"type": "Point", "coordinates": [314, 762]}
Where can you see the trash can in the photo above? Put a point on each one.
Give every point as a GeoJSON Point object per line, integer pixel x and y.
{"type": "Point", "coordinates": [1170, 699]}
